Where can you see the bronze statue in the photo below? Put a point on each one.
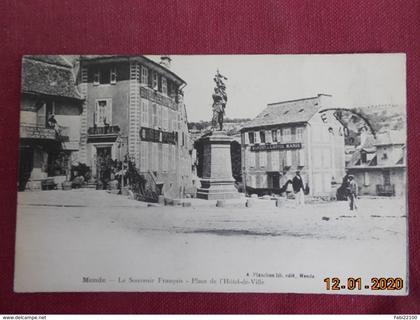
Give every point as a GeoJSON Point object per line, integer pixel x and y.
{"type": "Point", "coordinates": [219, 101]}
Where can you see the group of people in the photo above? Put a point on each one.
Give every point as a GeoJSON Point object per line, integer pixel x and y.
{"type": "Point", "coordinates": [349, 184]}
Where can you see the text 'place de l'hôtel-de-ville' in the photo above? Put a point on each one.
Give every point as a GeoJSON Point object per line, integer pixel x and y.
{"type": "Point", "coordinates": [119, 107]}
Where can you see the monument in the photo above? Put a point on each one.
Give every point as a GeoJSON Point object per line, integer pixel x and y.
{"type": "Point", "coordinates": [217, 181]}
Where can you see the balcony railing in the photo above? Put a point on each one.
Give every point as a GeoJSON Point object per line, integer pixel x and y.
{"type": "Point", "coordinates": [385, 190]}
{"type": "Point", "coordinates": [103, 130]}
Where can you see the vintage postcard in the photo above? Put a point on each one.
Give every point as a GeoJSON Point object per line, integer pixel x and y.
{"type": "Point", "coordinates": [213, 173]}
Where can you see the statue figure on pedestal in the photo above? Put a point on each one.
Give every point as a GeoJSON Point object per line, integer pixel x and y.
{"type": "Point", "coordinates": [219, 101]}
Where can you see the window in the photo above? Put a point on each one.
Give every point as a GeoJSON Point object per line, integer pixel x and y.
{"type": "Point", "coordinates": [274, 135]}
{"type": "Point", "coordinates": [257, 137]}
{"type": "Point", "coordinates": [96, 77]}
{"type": "Point", "coordinates": [251, 159]}
{"type": "Point", "coordinates": [144, 114]}
{"type": "Point", "coordinates": [103, 112]}
{"type": "Point", "coordinates": [165, 151]}
{"type": "Point", "coordinates": [263, 159]}
{"type": "Point", "coordinates": [155, 160]}
{"type": "Point", "coordinates": [160, 157]}
{"type": "Point", "coordinates": [165, 122]}
{"type": "Point", "coordinates": [268, 136]}
{"type": "Point", "coordinates": [243, 139]}
{"type": "Point", "coordinates": [144, 75]}
{"type": "Point", "coordinates": [289, 158]}
{"type": "Point", "coordinates": [113, 75]}
{"type": "Point", "coordinates": [105, 75]}
{"type": "Point", "coordinates": [366, 181]}
{"type": "Point", "coordinates": [171, 162]}
{"type": "Point", "coordinates": [262, 136]}
{"type": "Point", "coordinates": [299, 134]}
{"type": "Point", "coordinates": [164, 86]}
{"type": "Point", "coordinates": [154, 115]}
{"type": "Point", "coordinates": [387, 177]}
{"type": "Point", "coordinates": [143, 156]}
{"type": "Point", "coordinates": [155, 81]}
{"type": "Point", "coordinates": [251, 137]}
{"type": "Point", "coordinates": [301, 157]}
{"type": "Point", "coordinates": [275, 160]}
{"type": "Point", "coordinates": [287, 135]}
{"type": "Point", "coordinates": [159, 116]}
{"type": "Point", "coordinates": [279, 135]}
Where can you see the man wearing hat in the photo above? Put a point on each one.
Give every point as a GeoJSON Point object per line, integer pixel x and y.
{"type": "Point", "coordinates": [353, 192]}
{"type": "Point", "coordinates": [298, 188]}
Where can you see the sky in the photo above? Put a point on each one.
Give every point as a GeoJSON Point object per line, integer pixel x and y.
{"type": "Point", "coordinates": [353, 80]}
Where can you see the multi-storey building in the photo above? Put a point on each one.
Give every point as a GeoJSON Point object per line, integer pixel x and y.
{"type": "Point", "coordinates": [47, 148]}
{"type": "Point", "coordinates": [290, 136]}
{"type": "Point", "coordinates": [135, 105]}
{"type": "Point", "coordinates": [379, 164]}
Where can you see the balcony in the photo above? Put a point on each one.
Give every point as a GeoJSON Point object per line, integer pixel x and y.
{"type": "Point", "coordinates": [37, 132]}
{"type": "Point", "coordinates": [103, 134]}
{"type": "Point", "coordinates": [108, 130]}
{"type": "Point", "coordinates": [385, 190]}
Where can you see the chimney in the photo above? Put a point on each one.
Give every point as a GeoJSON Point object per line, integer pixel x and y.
{"type": "Point", "coordinates": [165, 61]}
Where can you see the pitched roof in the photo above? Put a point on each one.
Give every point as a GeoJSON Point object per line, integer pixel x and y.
{"type": "Point", "coordinates": [295, 111]}
{"type": "Point", "coordinates": [51, 59]}
{"type": "Point", "coordinates": [49, 75]}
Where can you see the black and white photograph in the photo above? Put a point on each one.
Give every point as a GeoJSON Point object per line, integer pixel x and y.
{"type": "Point", "coordinates": [213, 173]}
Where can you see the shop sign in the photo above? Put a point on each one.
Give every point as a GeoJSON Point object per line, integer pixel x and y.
{"type": "Point", "coordinates": [278, 146]}
{"type": "Point", "coordinates": [154, 135]}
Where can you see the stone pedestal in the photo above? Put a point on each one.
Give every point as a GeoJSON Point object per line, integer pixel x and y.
{"type": "Point", "coordinates": [217, 182]}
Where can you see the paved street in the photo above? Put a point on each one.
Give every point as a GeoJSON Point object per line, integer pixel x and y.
{"type": "Point", "coordinates": [84, 231]}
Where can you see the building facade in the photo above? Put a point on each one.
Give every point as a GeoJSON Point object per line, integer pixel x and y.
{"type": "Point", "coordinates": [134, 106]}
{"type": "Point", "coordinates": [47, 148]}
{"type": "Point", "coordinates": [293, 136]}
{"type": "Point", "coordinates": [379, 164]}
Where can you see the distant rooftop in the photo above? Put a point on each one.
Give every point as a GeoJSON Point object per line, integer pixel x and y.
{"type": "Point", "coordinates": [285, 112]}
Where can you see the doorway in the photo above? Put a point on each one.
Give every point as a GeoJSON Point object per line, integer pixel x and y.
{"type": "Point", "coordinates": [103, 164]}
{"type": "Point", "coordinates": [273, 180]}
{"type": "Point", "coordinates": [26, 157]}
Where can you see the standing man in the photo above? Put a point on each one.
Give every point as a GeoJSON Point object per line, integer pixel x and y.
{"type": "Point", "coordinates": [353, 193]}
{"type": "Point", "coordinates": [298, 188]}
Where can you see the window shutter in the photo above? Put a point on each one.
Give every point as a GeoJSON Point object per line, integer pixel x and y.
{"type": "Point", "coordinates": [275, 160]}
{"type": "Point", "coordinates": [301, 157]}
{"type": "Point", "coordinates": [263, 159]}
{"type": "Point", "coordinates": [288, 158]}
{"type": "Point", "coordinates": [268, 137]}
{"type": "Point", "coordinates": [113, 75]}
{"type": "Point", "coordinates": [97, 116]}
{"type": "Point", "coordinates": [257, 137]}
{"type": "Point", "coordinates": [109, 111]}
{"type": "Point", "coordinates": [366, 179]}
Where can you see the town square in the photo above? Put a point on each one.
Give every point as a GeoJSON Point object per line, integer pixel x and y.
{"type": "Point", "coordinates": [210, 173]}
